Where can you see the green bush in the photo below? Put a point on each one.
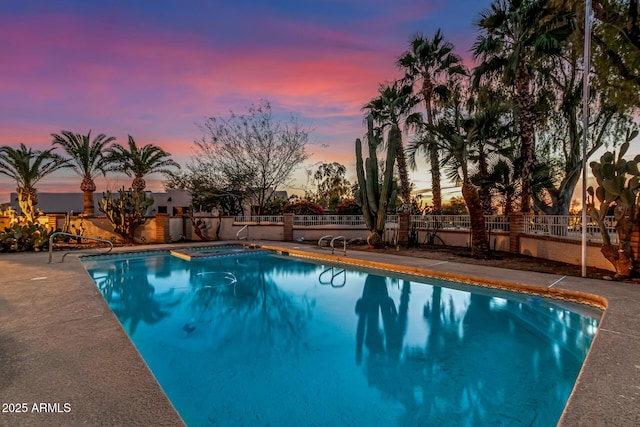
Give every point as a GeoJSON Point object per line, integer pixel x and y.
{"type": "Point", "coordinates": [274, 206]}
{"type": "Point", "coordinates": [24, 237]}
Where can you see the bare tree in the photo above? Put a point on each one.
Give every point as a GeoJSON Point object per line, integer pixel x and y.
{"type": "Point", "coordinates": [254, 150]}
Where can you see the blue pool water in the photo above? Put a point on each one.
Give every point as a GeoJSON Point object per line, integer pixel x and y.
{"type": "Point", "coordinates": [269, 340]}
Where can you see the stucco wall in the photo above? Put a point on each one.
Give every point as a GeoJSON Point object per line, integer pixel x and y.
{"type": "Point", "coordinates": [101, 228]}
{"type": "Point", "coordinates": [557, 250]}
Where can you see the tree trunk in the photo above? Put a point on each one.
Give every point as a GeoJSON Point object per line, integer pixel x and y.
{"type": "Point", "coordinates": [620, 261]}
{"type": "Point", "coordinates": [527, 133]}
{"type": "Point", "coordinates": [88, 207]}
{"type": "Point", "coordinates": [405, 186]}
{"type": "Point", "coordinates": [483, 171]}
{"type": "Point", "coordinates": [479, 238]}
{"type": "Point", "coordinates": [436, 189]}
{"type": "Point", "coordinates": [375, 240]}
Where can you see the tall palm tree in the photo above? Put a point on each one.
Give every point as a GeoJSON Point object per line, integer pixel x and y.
{"type": "Point", "coordinates": [494, 136]}
{"type": "Point", "coordinates": [458, 134]}
{"type": "Point", "coordinates": [516, 36]}
{"type": "Point", "coordinates": [27, 167]}
{"type": "Point", "coordinates": [431, 60]}
{"type": "Point", "coordinates": [87, 159]}
{"type": "Point", "coordinates": [139, 162]}
{"type": "Point", "coordinates": [394, 104]}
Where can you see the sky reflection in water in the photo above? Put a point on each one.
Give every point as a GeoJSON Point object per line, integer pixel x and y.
{"type": "Point", "coordinates": [267, 340]}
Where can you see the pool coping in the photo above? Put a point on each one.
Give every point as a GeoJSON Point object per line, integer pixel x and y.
{"type": "Point", "coordinates": [60, 342]}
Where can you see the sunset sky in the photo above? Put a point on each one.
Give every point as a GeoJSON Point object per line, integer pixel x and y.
{"type": "Point", "coordinates": [155, 69]}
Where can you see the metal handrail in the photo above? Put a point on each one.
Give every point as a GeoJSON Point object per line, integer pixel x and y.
{"type": "Point", "coordinates": [328, 236]}
{"type": "Point", "coordinates": [344, 242]}
{"type": "Point", "coordinates": [246, 227]}
{"type": "Point", "coordinates": [62, 233]}
{"type": "Point", "coordinates": [333, 276]}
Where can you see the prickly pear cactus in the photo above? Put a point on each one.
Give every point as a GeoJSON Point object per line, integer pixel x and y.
{"type": "Point", "coordinates": [373, 196]}
{"type": "Point", "coordinates": [618, 185]}
{"type": "Point", "coordinates": [127, 212]}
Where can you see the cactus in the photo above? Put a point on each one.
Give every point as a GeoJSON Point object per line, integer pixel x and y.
{"type": "Point", "coordinates": [372, 196]}
{"type": "Point", "coordinates": [618, 184]}
{"type": "Point", "coordinates": [127, 212]}
{"type": "Point", "coordinates": [26, 236]}
{"type": "Point", "coordinates": [66, 226]}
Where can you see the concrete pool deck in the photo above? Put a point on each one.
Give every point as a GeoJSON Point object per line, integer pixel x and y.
{"type": "Point", "coordinates": [64, 354]}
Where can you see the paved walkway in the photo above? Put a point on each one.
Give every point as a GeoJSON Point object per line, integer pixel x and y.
{"type": "Point", "coordinates": [64, 354]}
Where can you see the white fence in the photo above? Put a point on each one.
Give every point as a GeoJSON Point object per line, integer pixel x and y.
{"type": "Point", "coordinates": [562, 226]}
{"type": "Point", "coordinates": [568, 227]}
{"type": "Point", "coordinates": [262, 219]}
{"type": "Point", "coordinates": [458, 222]}
{"type": "Point", "coordinates": [317, 220]}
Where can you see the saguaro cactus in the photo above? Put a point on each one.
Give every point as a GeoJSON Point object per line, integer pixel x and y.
{"type": "Point", "coordinates": [373, 196]}
{"type": "Point", "coordinates": [618, 184]}
{"type": "Point", "coordinates": [127, 212]}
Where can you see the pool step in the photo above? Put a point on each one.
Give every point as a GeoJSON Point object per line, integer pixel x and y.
{"type": "Point", "coordinates": [217, 252]}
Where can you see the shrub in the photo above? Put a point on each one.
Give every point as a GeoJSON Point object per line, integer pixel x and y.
{"type": "Point", "coordinates": [303, 207]}
{"type": "Point", "coordinates": [349, 207]}
{"type": "Point", "coordinates": [274, 206]}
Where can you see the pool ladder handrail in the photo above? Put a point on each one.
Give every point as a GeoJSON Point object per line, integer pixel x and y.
{"type": "Point", "coordinates": [320, 240]}
{"type": "Point", "coordinates": [331, 243]}
{"type": "Point", "coordinates": [62, 233]}
{"type": "Point", "coordinates": [246, 227]}
{"type": "Point", "coordinates": [333, 276]}
{"type": "Point", "coordinates": [344, 244]}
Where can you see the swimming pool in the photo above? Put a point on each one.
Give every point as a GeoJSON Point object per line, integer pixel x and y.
{"type": "Point", "coordinates": [271, 340]}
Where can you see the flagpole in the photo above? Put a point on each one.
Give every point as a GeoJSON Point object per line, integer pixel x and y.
{"type": "Point", "coordinates": [585, 126]}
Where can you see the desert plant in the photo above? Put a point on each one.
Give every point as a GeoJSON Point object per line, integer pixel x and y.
{"type": "Point", "coordinates": [24, 236]}
{"type": "Point", "coordinates": [27, 167]}
{"type": "Point", "coordinates": [126, 212]}
{"type": "Point", "coordinates": [618, 185]}
{"type": "Point", "coordinates": [373, 197]}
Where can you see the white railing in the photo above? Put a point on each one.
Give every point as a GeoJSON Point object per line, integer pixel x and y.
{"type": "Point", "coordinates": [316, 220]}
{"type": "Point", "coordinates": [568, 227]}
{"type": "Point", "coordinates": [441, 222]}
{"type": "Point", "coordinates": [259, 219]}
{"type": "Point", "coordinates": [499, 223]}
{"type": "Point", "coordinates": [563, 226]}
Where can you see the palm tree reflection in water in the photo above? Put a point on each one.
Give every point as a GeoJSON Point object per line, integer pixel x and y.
{"type": "Point", "coordinates": [239, 303]}
{"type": "Point", "coordinates": [481, 363]}
{"type": "Point", "coordinates": [375, 301]}
{"type": "Point", "coordinates": [132, 298]}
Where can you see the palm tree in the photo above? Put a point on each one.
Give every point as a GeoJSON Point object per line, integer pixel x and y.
{"type": "Point", "coordinates": [431, 60]}
{"type": "Point", "coordinates": [27, 167]}
{"type": "Point", "coordinates": [516, 35]}
{"type": "Point", "coordinates": [458, 135]}
{"type": "Point", "coordinates": [87, 159]}
{"type": "Point", "coordinates": [394, 104]}
{"type": "Point", "coordinates": [494, 136]}
{"type": "Point", "coordinates": [139, 162]}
